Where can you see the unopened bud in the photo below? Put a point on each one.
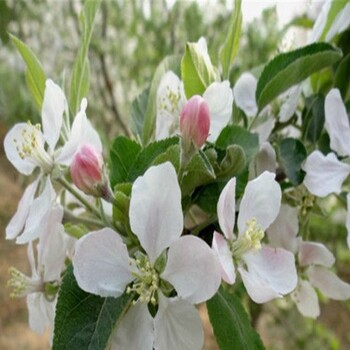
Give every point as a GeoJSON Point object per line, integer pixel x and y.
{"type": "Point", "coordinates": [87, 170]}
{"type": "Point", "coordinates": [195, 121]}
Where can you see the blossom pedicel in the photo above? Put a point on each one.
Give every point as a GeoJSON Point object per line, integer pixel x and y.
{"type": "Point", "coordinates": [195, 121]}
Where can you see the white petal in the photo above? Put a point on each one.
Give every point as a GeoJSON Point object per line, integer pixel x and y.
{"type": "Point", "coordinates": [315, 253]}
{"type": "Point", "coordinates": [271, 274]}
{"type": "Point", "coordinates": [41, 312]}
{"type": "Point", "coordinates": [101, 263]}
{"type": "Point", "coordinates": [222, 250]}
{"type": "Point", "coordinates": [52, 249]}
{"type": "Point", "coordinates": [340, 23]}
{"type": "Point", "coordinates": [348, 219]}
{"type": "Point", "coordinates": [283, 231]}
{"type": "Point", "coordinates": [17, 222]}
{"type": "Point", "coordinates": [328, 283]}
{"type": "Point", "coordinates": [219, 98]}
{"type": "Point", "coordinates": [264, 130]}
{"type": "Point", "coordinates": [337, 123]}
{"type": "Point", "coordinates": [168, 111]}
{"type": "Point", "coordinates": [320, 23]}
{"type": "Point", "coordinates": [290, 104]}
{"type": "Point", "coordinates": [39, 214]}
{"type": "Point", "coordinates": [54, 105]}
{"type": "Point", "coordinates": [226, 209]}
{"type": "Point", "coordinates": [12, 139]}
{"type": "Point", "coordinates": [261, 200]}
{"type": "Point", "coordinates": [155, 209]}
{"type": "Point", "coordinates": [265, 159]}
{"type": "Point", "coordinates": [82, 133]}
{"type": "Point", "coordinates": [135, 331]}
{"type": "Point", "coordinates": [324, 174]}
{"type": "Point", "coordinates": [244, 94]}
{"type": "Point", "coordinates": [177, 326]}
{"type": "Point", "coordinates": [193, 269]}
{"type": "Point", "coordinates": [306, 299]}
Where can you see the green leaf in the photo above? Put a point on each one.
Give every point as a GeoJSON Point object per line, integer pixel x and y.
{"type": "Point", "coordinates": [208, 196]}
{"type": "Point", "coordinates": [122, 156]}
{"type": "Point", "coordinates": [138, 111]}
{"type": "Point", "coordinates": [231, 324]}
{"type": "Point", "coordinates": [198, 172]}
{"type": "Point", "coordinates": [75, 230]}
{"type": "Point", "coordinates": [288, 69]}
{"type": "Point", "coordinates": [169, 63]}
{"type": "Point", "coordinates": [197, 72]}
{"type": "Point", "coordinates": [235, 135]}
{"type": "Point", "coordinates": [341, 79]}
{"type": "Point", "coordinates": [35, 76]}
{"type": "Point", "coordinates": [335, 9]}
{"type": "Point", "coordinates": [292, 154]}
{"type": "Point", "coordinates": [83, 320]}
{"type": "Point", "coordinates": [313, 117]}
{"type": "Point", "coordinates": [149, 155]}
{"type": "Point", "coordinates": [81, 72]}
{"type": "Point", "coordinates": [230, 48]}
{"type": "Point", "coordinates": [172, 154]}
{"type": "Point", "coordinates": [233, 163]}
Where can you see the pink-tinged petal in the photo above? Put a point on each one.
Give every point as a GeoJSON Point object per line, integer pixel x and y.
{"type": "Point", "coordinates": [283, 231]}
{"type": "Point", "coordinates": [177, 326]}
{"type": "Point", "coordinates": [16, 224]}
{"type": "Point", "coordinates": [219, 98]}
{"type": "Point", "coordinates": [306, 299]}
{"type": "Point", "coordinates": [337, 123]}
{"type": "Point", "coordinates": [328, 283]}
{"type": "Point", "coordinates": [270, 273]}
{"type": "Point", "coordinates": [135, 330]}
{"type": "Point", "coordinates": [261, 200]}
{"type": "Point", "coordinates": [244, 94]}
{"type": "Point", "coordinates": [41, 312]}
{"type": "Point", "coordinates": [226, 209]}
{"type": "Point", "coordinates": [54, 105]}
{"type": "Point", "coordinates": [290, 103]}
{"type": "Point", "coordinates": [101, 263]}
{"type": "Point", "coordinates": [155, 209]}
{"type": "Point", "coordinates": [13, 139]}
{"type": "Point", "coordinates": [223, 252]}
{"type": "Point", "coordinates": [82, 132]}
{"type": "Point", "coordinates": [265, 159]}
{"type": "Point", "coordinates": [315, 253]}
{"type": "Point", "coordinates": [168, 109]}
{"type": "Point", "coordinates": [348, 219]}
{"type": "Point", "coordinates": [324, 174]}
{"type": "Point", "coordinates": [39, 214]}
{"type": "Point", "coordinates": [193, 269]}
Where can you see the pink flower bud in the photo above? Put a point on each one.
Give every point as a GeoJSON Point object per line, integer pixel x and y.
{"type": "Point", "coordinates": [195, 121]}
{"type": "Point", "coordinates": [86, 170]}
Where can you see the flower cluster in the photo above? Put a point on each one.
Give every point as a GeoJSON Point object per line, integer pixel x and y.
{"type": "Point", "coordinates": [217, 198]}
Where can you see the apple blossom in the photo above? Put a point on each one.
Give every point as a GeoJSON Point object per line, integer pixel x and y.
{"type": "Point", "coordinates": [267, 273]}
{"type": "Point", "coordinates": [195, 122]}
{"type": "Point", "coordinates": [102, 266]}
{"type": "Point", "coordinates": [41, 288]}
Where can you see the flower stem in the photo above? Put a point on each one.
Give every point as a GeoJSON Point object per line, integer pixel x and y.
{"type": "Point", "coordinates": [77, 195]}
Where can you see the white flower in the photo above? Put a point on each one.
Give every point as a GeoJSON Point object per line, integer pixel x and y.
{"type": "Point", "coordinates": [314, 262]}
{"type": "Point", "coordinates": [27, 147]}
{"type": "Point", "coordinates": [102, 266]}
{"type": "Point", "coordinates": [267, 273]}
{"type": "Point", "coordinates": [41, 288]}
{"type": "Point", "coordinates": [325, 174]}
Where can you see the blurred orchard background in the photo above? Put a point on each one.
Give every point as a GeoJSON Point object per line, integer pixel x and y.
{"type": "Point", "coordinates": [130, 39]}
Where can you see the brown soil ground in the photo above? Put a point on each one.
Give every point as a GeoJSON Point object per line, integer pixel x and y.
{"type": "Point", "coordinates": [15, 333]}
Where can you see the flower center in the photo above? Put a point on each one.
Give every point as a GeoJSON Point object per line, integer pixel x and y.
{"type": "Point", "coordinates": [146, 281]}
{"type": "Point", "coordinates": [30, 145]}
{"type": "Point", "coordinates": [250, 240]}
{"type": "Point", "coordinates": [170, 102]}
{"type": "Point", "coordinates": [22, 285]}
